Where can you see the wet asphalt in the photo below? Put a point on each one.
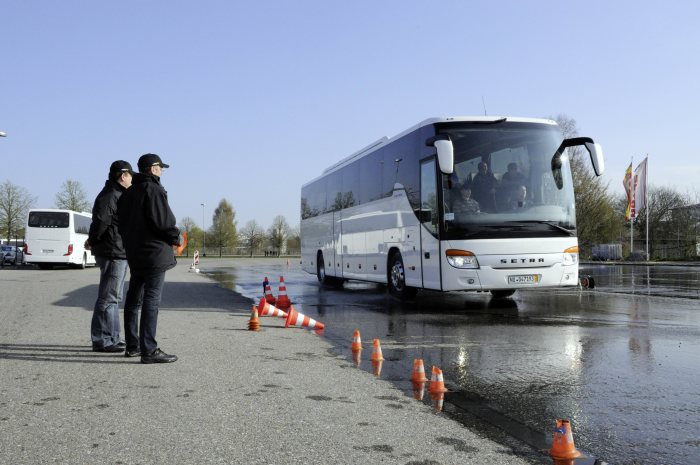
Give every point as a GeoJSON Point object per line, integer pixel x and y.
{"type": "Point", "coordinates": [618, 360]}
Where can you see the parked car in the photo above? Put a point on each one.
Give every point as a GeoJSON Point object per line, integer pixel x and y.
{"type": "Point", "coordinates": [11, 254]}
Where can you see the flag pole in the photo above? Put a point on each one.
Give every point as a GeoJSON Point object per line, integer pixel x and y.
{"type": "Point", "coordinates": [631, 200]}
{"type": "Point", "coordinates": [646, 200]}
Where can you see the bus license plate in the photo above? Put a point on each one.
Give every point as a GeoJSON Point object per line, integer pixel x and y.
{"type": "Point", "coordinates": [46, 250]}
{"type": "Point", "coordinates": [523, 279]}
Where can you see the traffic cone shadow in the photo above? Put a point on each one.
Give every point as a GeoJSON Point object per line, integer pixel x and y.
{"type": "Point", "coordinates": [283, 301]}
{"type": "Point", "coordinates": [254, 323]}
{"type": "Point", "coordinates": [418, 390]}
{"type": "Point", "coordinates": [377, 367]}
{"type": "Point", "coordinates": [438, 400]}
{"type": "Point", "coordinates": [295, 318]}
{"type": "Point", "coordinates": [563, 447]}
{"type": "Point", "coordinates": [357, 357]}
{"type": "Point", "coordinates": [356, 345]}
{"type": "Point", "coordinates": [267, 309]}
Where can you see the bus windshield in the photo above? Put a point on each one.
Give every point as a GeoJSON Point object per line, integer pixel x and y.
{"type": "Point", "coordinates": [507, 182]}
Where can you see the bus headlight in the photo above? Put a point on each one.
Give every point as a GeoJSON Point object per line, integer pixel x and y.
{"type": "Point", "coordinates": [571, 256]}
{"type": "Point", "coordinates": [461, 258]}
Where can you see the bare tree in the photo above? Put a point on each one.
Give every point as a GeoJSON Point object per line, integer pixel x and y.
{"type": "Point", "coordinates": [278, 233]}
{"type": "Point", "coordinates": [223, 228]}
{"type": "Point", "coordinates": [72, 196]}
{"type": "Point", "coordinates": [596, 220]}
{"type": "Point", "coordinates": [194, 233]}
{"type": "Point", "coordinates": [15, 201]}
{"type": "Point", "coordinates": [294, 240]}
{"type": "Point", "coordinates": [253, 236]}
{"type": "Point", "coordinates": [671, 226]}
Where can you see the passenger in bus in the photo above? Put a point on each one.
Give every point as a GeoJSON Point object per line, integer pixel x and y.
{"type": "Point", "coordinates": [106, 244]}
{"type": "Point", "coordinates": [463, 203]}
{"type": "Point", "coordinates": [510, 182]}
{"type": "Point", "coordinates": [484, 187]}
{"type": "Point", "coordinates": [518, 199]}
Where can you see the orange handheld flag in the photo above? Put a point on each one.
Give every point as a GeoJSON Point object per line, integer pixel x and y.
{"type": "Point", "coordinates": [179, 248]}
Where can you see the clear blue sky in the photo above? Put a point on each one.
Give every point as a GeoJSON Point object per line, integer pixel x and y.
{"type": "Point", "coordinates": [249, 100]}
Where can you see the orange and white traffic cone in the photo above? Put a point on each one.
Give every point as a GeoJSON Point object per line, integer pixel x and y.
{"type": "Point", "coordinates": [283, 301]}
{"type": "Point", "coordinates": [563, 447]}
{"type": "Point", "coordinates": [437, 383]}
{"type": "Point", "coordinates": [356, 341]}
{"type": "Point", "coordinates": [295, 318]}
{"type": "Point", "coordinates": [266, 309]}
{"type": "Point", "coordinates": [376, 351]}
{"type": "Point", "coordinates": [254, 323]}
{"type": "Point", "coordinates": [418, 375]}
{"type": "Point", "coordinates": [268, 292]}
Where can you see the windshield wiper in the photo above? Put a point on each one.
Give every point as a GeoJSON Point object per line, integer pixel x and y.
{"type": "Point", "coordinates": [553, 224]}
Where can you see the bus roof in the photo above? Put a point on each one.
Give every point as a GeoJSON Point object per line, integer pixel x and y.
{"type": "Point", "coordinates": [57, 210]}
{"type": "Point", "coordinates": [441, 119]}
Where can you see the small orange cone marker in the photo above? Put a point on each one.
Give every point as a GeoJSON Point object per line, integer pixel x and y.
{"type": "Point", "coordinates": [437, 383]}
{"type": "Point", "coordinates": [563, 442]}
{"type": "Point", "coordinates": [418, 375]}
{"type": "Point", "coordinates": [356, 341]}
{"type": "Point", "coordinates": [253, 323]}
{"type": "Point", "coordinates": [376, 351]}
{"type": "Point", "coordinates": [267, 309]}
{"type": "Point", "coordinates": [377, 367]}
{"type": "Point", "coordinates": [295, 318]}
{"type": "Point", "coordinates": [268, 292]}
{"type": "Point", "coordinates": [283, 301]}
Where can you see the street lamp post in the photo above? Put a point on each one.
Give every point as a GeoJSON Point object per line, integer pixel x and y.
{"type": "Point", "coordinates": [204, 233]}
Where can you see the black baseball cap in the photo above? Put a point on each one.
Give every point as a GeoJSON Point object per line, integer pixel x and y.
{"type": "Point", "coordinates": [151, 159]}
{"type": "Point", "coordinates": [120, 166]}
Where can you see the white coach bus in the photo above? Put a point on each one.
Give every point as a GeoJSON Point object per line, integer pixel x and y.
{"type": "Point", "coordinates": [57, 237]}
{"type": "Point", "coordinates": [389, 213]}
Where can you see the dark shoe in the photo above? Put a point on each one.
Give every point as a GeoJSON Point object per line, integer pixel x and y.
{"type": "Point", "coordinates": [157, 356]}
{"type": "Point", "coordinates": [114, 348]}
{"type": "Point", "coordinates": [132, 353]}
{"type": "Point", "coordinates": [121, 344]}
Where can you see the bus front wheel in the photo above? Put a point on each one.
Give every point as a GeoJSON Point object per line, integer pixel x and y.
{"type": "Point", "coordinates": [321, 273]}
{"type": "Point", "coordinates": [397, 279]}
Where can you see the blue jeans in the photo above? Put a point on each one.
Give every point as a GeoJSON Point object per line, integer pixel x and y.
{"type": "Point", "coordinates": [105, 326]}
{"type": "Point", "coordinates": [145, 289]}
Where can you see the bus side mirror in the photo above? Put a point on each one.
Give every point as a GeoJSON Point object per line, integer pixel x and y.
{"type": "Point", "coordinates": [596, 152]}
{"type": "Point", "coordinates": [445, 152]}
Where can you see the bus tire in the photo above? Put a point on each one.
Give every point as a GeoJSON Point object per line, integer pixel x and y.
{"type": "Point", "coordinates": [321, 273]}
{"type": "Point", "coordinates": [502, 293]}
{"type": "Point", "coordinates": [397, 279]}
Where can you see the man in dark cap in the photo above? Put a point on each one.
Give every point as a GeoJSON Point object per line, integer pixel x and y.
{"type": "Point", "coordinates": [107, 247]}
{"type": "Point", "coordinates": [149, 229]}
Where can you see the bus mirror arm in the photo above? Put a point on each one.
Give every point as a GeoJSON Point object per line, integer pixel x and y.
{"type": "Point", "coordinates": [445, 152]}
{"type": "Point", "coordinates": [594, 150]}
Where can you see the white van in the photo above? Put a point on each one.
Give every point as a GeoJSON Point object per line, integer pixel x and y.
{"type": "Point", "coordinates": [57, 237]}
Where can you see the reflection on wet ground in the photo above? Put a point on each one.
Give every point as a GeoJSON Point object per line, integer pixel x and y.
{"type": "Point", "coordinates": [622, 368]}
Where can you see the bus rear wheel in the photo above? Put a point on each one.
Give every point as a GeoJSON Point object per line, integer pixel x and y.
{"type": "Point", "coordinates": [397, 279]}
{"type": "Point", "coordinates": [502, 293]}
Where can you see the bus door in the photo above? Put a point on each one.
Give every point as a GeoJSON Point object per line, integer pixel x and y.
{"type": "Point", "coordinates": [429, 218]}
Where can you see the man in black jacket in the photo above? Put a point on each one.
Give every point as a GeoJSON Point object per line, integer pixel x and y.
{"type": "Point", "coordinates": [107, 247]}
{"type": "Point", "coordinates": [149, 230]}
